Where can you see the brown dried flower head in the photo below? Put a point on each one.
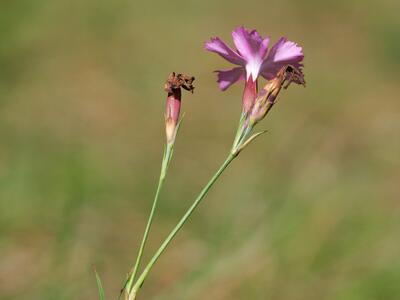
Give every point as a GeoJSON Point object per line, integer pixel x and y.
{"type": "Point", "coordinates": [267, 97]}
{"type": "Point", "coordinates": [176, 81]}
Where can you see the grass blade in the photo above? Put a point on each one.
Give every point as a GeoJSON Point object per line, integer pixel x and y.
{"type": "Point", "coordinates": [99, 286]}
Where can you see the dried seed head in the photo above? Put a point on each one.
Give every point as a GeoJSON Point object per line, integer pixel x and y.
{"type": "Point", "coordinates": [176, 81]}
{"type": "Point", "coordinates": [267, 97]}
{"type": "Point", "coordinates": [291, 74]}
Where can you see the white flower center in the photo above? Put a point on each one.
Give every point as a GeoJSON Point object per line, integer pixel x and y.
{"type": "Point", "coordinates": [253, 68]}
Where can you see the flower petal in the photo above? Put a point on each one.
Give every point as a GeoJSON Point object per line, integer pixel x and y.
{"type": "Point", "coordinates": [218, 46]}
{"type": "Point", "coordinates": [284, 52]}
{"type": "Point", "coordinates": [264, 47]}
{"type": "Point", "coordinates": [252, 47]}
{"type": "Point", "coordinates": [250, 44]}
{"type": "Point", "coordinates": [228, 77]}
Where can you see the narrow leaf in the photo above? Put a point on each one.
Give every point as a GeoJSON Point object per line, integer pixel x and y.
{"type": "Point", "coordinates": [99, 286]}
{"type": "Point", "coordinates": [250, 139]}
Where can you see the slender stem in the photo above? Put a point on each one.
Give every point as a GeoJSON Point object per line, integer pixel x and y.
{"type": "Point", "coordinates": [166, 159]}
{"type": "Point", "coordinates": [183, 220]}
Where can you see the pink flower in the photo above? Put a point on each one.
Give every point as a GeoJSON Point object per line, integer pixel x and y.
{"type": "Point", "coordinates": [253, 59]}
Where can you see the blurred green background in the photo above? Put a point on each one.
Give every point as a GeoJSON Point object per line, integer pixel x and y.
{"type": "Point", "coordinates": [309, 211]}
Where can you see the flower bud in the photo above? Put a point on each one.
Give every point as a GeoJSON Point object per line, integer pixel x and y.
{"type": "Point", "coordinates": [267, 97]}
{"type": "Point", "coordinates": [173, 87]}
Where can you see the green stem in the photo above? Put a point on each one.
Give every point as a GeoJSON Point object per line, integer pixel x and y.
{"type": "Point", "coordinates": [166, 159]}
{"type": "Point", "coordinates": [239, 131]}
{"type": "Point", "coordinates": [183, 220]}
